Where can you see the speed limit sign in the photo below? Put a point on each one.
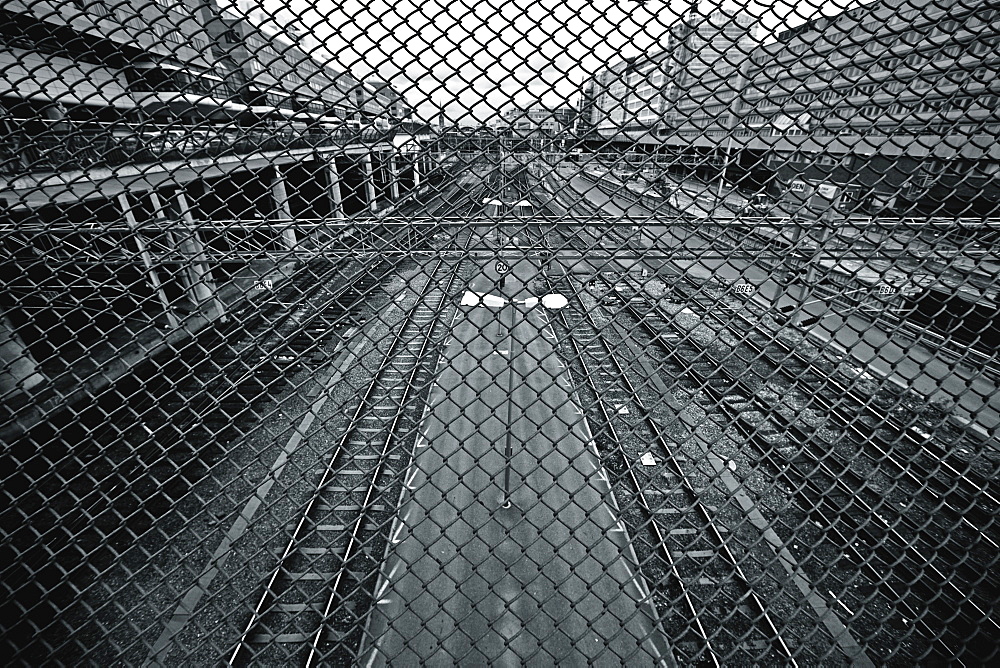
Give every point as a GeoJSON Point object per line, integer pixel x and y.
{"type": "Point", "coordinates": [502, 267]}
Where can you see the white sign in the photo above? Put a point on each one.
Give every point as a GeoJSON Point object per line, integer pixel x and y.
{"type": "Point", "coordinates": [554, 301]}
{"type": "Point", "coordinates": [797, 187]}
{"type": "Point", "coordinates": [826, 190]}
{"type": "Point", "coordinates": [502, 267]}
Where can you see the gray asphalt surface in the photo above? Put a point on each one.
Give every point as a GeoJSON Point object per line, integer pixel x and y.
{"type": "Point", "coordinates": [549, 579]}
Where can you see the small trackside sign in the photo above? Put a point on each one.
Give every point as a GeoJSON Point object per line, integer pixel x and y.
{"type": "Point", "coordinates": [502, 267]}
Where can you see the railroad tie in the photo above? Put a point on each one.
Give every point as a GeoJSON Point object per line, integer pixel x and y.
{"type": "Point", "coordinates": [370, 526]}
{"type": "Point", "coordinates": [267, 638]}
{"type": "Point", "coordinates": [324, 508]}
{"type": "Point", "coordinates": [692, 554]}
{"type": "Point", "coordinates": [319, 551]}
{"type": "Point", "coordinates": [324, 576]}
{"type": "Point", "coordinates": [679, 511]}
{"type": "Point", "coordinates": [688, 532]}
{"type": "Point", "coordinates": [299, 607]}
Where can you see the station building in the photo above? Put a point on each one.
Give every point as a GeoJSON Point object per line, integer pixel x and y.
{"type": "Point", "coordinates": [889, 107]}
{"type": "Point", "coordinates": [155, 157]}
{"type": "Point", "coordinates": [536, 125]}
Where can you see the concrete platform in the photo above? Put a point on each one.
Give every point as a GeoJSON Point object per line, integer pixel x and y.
{"type": "Point", "coordinates": [507, 550]}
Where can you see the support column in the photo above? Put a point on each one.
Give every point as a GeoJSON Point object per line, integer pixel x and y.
{"type": "Point", "coordinates": [147, 259]}
{"type": "Point", "coordinates": [393, 179]}
{"type": "Point", "coordinates": [17, 366]}
{"type": "Point", "coordinates": [336, 197]}
{"type": "Point", "coordinates": [160, 214]}
{"type": "Point", "coordinates": [369, 182]}
{"type": "Point", "coordinates": [282, 209]}
{"type": "Point", "coordinates": [200, 283]}
{"type": "Point", "coordinates": [415, 162]}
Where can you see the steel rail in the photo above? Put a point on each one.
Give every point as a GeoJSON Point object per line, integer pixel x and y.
{"type": "Point", "coordinates": [261, 607]}
{"type": "Point", "coordinates": [660, 539]}
{"type": "Point", "coordinates": [368, 501]}
{"type": "Point", "coordinates": [771, 628]}
{"type": "Point", "coordinates": [752, 436]}
{"type": "Point", "coordinates": [198, 409]}
{"type": "Point", "coordinates": [836, 409]}
{"type": "Point", "coordinates": [836, 477]}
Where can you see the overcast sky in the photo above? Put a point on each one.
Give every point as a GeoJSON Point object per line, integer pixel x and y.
{"type": "Point", "coordinates": [478, 57]}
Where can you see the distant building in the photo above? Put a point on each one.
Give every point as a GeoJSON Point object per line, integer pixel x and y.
{"type": "Point", "coordinates": [891, 105]}
{"type": "Point", "coordinates": [395, 102]}
{"type": "Point", "coordinates": [586, 108]}
{"type": "Point", "coordinates": [702, 44]}
{"type": "Point", "coordinates": [537, 124]}
{"type": "Point", "coordinates": [709, 53]}
{"type": "Point", "coordinates": [279, 74]}
{"type": "Point", "coordinates": [637, 95]}
{"type": "Point", "coordinates": [50, 69]}
{"type": "Point", "coordinates": [538, 119]}
{"type": "Point", "coordinates": [632, 93]}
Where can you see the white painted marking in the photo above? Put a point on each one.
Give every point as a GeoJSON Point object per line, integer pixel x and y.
{"type": "Point", "coordinates": [387, 582]}
{"type": "Point", "coordinates": [502, 352]}
{"type": "Point", "coordinates": [647, 459]}
{"type": "Point", "coordinates": [834, 597]}
{"type": "Point", "coordinates": [622, 410]}
{"type": "Point", "coordinates": [470, 299]}
{"type": "Point", "coordinates": [395, 540]}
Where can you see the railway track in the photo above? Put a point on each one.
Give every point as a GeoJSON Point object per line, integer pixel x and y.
{"type": "Point", "coordinates": [591, 228]}
{"type": "Point", "coordinates": [679, 515]}
{"type": "Point", "coordinates": [842, 485]}
{"type": "Point", "coordinates": [127, 460]}
{"type": "Point", "coordinates": [142, 445]}
{"type": "Point", "coordinates": [867, 483]}
{"type": "Point", "coordinates": [327, 566]}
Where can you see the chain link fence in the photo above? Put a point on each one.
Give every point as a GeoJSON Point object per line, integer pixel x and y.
{"type": "Point", "coordinates": [471, 333]}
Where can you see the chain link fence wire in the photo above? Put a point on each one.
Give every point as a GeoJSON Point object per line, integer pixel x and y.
{"type": "Point", "coordinates": [497, 333]}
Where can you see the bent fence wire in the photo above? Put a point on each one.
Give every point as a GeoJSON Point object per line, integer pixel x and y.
{"type": "Point", "coordinates": [476, 333]}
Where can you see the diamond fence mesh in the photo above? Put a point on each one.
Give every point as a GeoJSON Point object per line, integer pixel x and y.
{"type": "Point", "coordinates": [559, 332]}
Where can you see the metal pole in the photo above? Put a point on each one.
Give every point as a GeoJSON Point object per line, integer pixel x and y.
{"type": "Point", "coordinates": [725, 164]}
{"type": "Point", "coordinates": [336, 198]}
{"type": "Point", "coordinates": [283, 209]}
{"type": "Point", "coordinates": [201, 284]}
{"type": "Point", "coordinates": [509, 439]}
{"type": "Point", "coordinates": [369, 170]}
{"type": "Point", "coordinates": [147, 259]}
{"type": "Point", "coordinates": [812, 259]}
